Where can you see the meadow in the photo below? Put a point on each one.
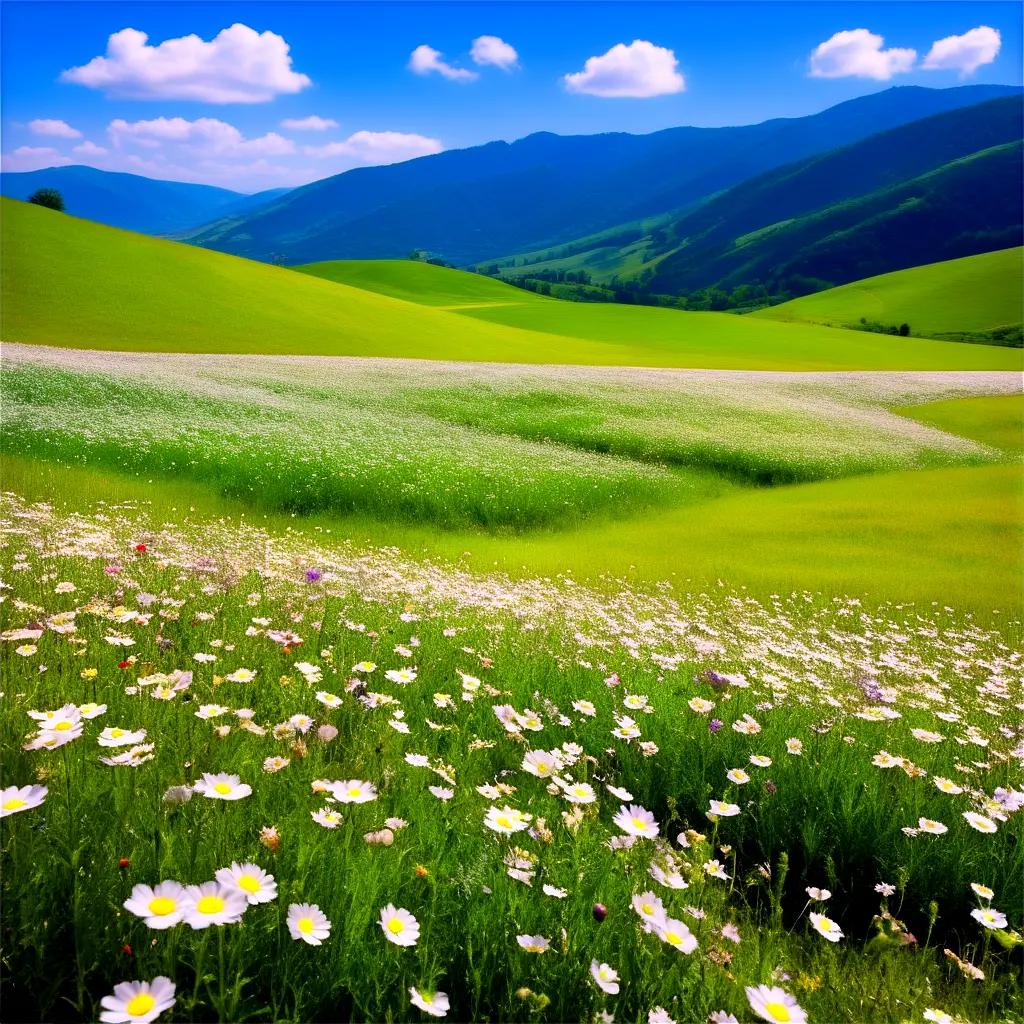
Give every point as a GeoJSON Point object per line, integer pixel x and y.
{"type": "Point", "coordinates": [381, 642]}
{"type": "Point", "coordinates": [475, 786]}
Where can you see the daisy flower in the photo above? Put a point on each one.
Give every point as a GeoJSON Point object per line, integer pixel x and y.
{"type": "Point", "coordinates": [814, 893]}
{"type": "Point", "coordinates": [253, 882]}
{"type": "Point", "coordinates": [935, 828]}
{"type": "Point", "coordinates": [507, 820]}
{"type": "Point", "coordinates": [650, 908]}
{"type": "Point", "coordinates": [138, 1002]}
{"type": "Point", "coordinates": [700, 705]}
{"type": "Point", "coordinates": [983, 891]}
{"type": "Point", "coordinates": [222, 787]}
{"type": "Point", "coordinates": [979, 822]}
{"type": "Point", "coordinates": [579, 793]}
{"type": "Point", "coordinates": [399, 926]}
{"type": "Point", "coordinates": [534, 943]}
{"type": "Point", "coordinates": [760, 761]}
{"type": "Point", "coordinates": [607, 978]}
{"type": "Point", "coordinates": [737, 775]}
{"type": "Point", "coordinates": [947, 785]}
{"type": "Point", "coordinates": [21, 798]}
{"type": "Point", "coordinates": [441, 793]}
{"type": "Point", "coordinates": [402, 676]}
{"type": "Point", "coordinates": [240, 675]}
{"type": "Point", "coordinates": [331, 700]}
{"type": "Point", "coordinates": [327, 817]}
{"type": "Point", "coordinates": [308, 923]}
{"type": "Point", "coordinates": [541, 763]}
{"type": "Point", "coordinates": [775, 1005]}
{"type": "Point", "coordinates": [826, 927]}
{"type": "Point", "coordinates": [353, 791]}
{"type": "Point", "coordinates": [636, 821]}
{"type": "Point", "coordinates": [988, 917]}
{"type": "Point", "coordinates": [794, 746]}
{"type": "Point", "coordinates": [619, 793]}
{"type": "Point", "coordinates": [114, 737]}
{"type": "Point", "coordinates": [676, 934]}
{"type": "Point", "coordinates": [213, 903]}
{"type": "Point", "coordinates": [721, 809]}
{"type": "Point", "coordinates": [434, 1003]}
{"type": "Point", "coordinates": [159, 907]}
{"type": "Point", "coordinates": [553, 890]}
{"type": "Point", "coordinates": [584, 707]}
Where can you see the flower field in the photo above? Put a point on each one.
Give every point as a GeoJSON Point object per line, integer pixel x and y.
{"type": "Point", "coordinates": [249, 777]}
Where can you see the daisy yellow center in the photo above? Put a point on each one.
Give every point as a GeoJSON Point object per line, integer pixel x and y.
{"type": "Point", "coordinates": [542, 769]}
{"type": "Point", "coordinates": [354, 790]}
{"type": "Point", "coordinates": [223, 788]}
{"type": "Point", "coordinates": [210, 905]}
{"type": "Point", "coordinates": [639, 823]}
{"type": "Point", "coordinates": [62, 726]}
{"type": "Point", "coordinates": [395, 926]}
{"type": "Point", "coordinates": [648, 908]}
{"type": "Point", "coordinates": [162, 905]}
{"type": "Point", "coordinates": [503, 821]}
{"type": "Point", "coordinates": [778, 1011]}
{"type": "Point", "coordinates": [426, 997]}
{"type": "Point", "coordinates": [140, 1005]}
{"type": "Point", "coordinates": [305, 925]}
{"type": "Point", "coordinates": [15, 804]}
{"type": "Point", "coordinates": [116, 733]}
{"type": "Point", "coordinates": [673, 937]}
{"type": "Point", "coordinates": [250, 883]}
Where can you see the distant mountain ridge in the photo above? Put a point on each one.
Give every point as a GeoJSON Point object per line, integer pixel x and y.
{"type": "Point", "coordinates": [488, 201]}
{"type": "Point", "coordinates": [133, 201]}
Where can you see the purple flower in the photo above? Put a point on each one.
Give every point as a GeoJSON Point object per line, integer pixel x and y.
{"type": "Point", "coordinates": [715, 724]}
{"type": "Point", "coordinates": [313, 575]}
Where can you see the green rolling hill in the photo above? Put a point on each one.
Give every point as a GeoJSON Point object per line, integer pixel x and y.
{"type": "Point", "coordinates": [75, 283]}
{"type": "Point", "coordinates": [973, 294]}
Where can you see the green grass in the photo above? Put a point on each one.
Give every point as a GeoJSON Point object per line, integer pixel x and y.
{"type": "Point", "coordinates": [973, 294]}
{"type": "Point", "coordinates": [123, 291]}
{"type": "Point", "coordinates": [825, 817]}
{"type": "Point", "coordinates": [998, 422]}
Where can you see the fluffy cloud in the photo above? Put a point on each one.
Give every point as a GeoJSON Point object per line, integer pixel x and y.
{"type": "Point", "coordinates": [490, 50]}
{"type": "Point", "coordinates": [239, 65]}
{"type": "Point", "coordinates": [57, 129]}
{"type": "Point", "coordinates": [90, 150]}
{"type": "Point", "coordinates": [964, 53]}
{"type": "Point", "coordinates": [309, 124]}
{"type": "Point", "coordinates": [858, 53]}
{"type": "Point", "coordinates": [636, 71]}
{"type": "Point", "coordinates": [204, 137]}
{"type": "Point", "coordinates": [32, 158]}
{"type": "Point", "coordinates": [377, 147]}
{"type": "Point", "coordinates": [425, 60]}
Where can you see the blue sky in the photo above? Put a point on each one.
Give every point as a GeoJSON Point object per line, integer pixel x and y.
{"type": "Point", "coordinates": [231, 110]}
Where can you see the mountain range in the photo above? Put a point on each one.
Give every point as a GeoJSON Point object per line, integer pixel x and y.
{"type": "Point", "coordinates": [490, 201]}
{"type": "Point", "coordinates": [132, 201]}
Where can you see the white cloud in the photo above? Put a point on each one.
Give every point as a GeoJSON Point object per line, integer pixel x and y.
{"type": "Point", "coordinates": [89, 149]}
{"type": "Point", "coordinates": [32, 158]}
{"type": "Point", "coordinates": [425, 60]}
{"type": "Point", "coordinates": [637, 71]}
{"type": "Point", "coordinates": [309, 124]}
{"type": "Point", "coordinates": [494, 51]}
{"type": "Point", "coordinates": [239, 65]}
{"type": "Point", "coordinates": [378, 147]}
{"type": "Point", "coordinates": [858, 53]}
{"type": "Point", "coordinates": [58, 129]}
{"type": "Point", "coordinates": [204, 137]}
{"type": "Point", "coordinates": [964, 53]}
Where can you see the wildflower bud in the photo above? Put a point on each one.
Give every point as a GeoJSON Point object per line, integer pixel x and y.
{"type": "Point", "coordinates": [299, 749]}
{"type": "Point", "coordinates": [385, 837]}
{"type": "Point", "coordinates": [600, 911]}
{"type": "Point", "coordinates": [326, 733]}
{"type": "Point", "coordinates": [523, 993]}
{"type": "Point", "coordinates": [421, 871]}
{"type": "Point", "coordinates": [126, 949]}
{"type": "Point", "coordinates": [270, 838]}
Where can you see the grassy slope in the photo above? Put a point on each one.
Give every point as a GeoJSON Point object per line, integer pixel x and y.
{"type": "Point", "coordinates": [122, 291]}
{"type": "Point", "coordinates": [670, 337]}
{"type": "Point", "coordinates": [975, 293]}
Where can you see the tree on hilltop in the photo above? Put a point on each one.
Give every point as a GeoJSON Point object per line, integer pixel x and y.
{"type": "Point", "coordinates": [48, 197]}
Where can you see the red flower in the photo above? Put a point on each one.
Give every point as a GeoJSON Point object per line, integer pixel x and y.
{"type": "Point", "coordinates": [126, 949]}
{"type": "Point", "coordinates": [124, 664]}
{"type": "Point", "coordinates": [141, 548]}
{"type": "Point", "coordinates": [123, 863]}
